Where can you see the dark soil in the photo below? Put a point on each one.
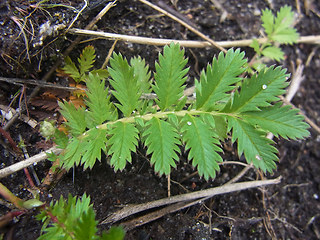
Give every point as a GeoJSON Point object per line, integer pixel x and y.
{"type": "Point", "coordinates": [290, 210]}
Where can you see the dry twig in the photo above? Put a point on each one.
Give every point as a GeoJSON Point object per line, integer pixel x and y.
{"type": "Point", "coordinates": [129, 225]}
{"type": "Point", "coordinates": [38, 83]}
{"type": "Point", "coordinates": [227, 188]}
{"type": "Point", "coordinates": [183, 43]}
{"type": "Point", "coordinates": [296, 80]}
{"type": "Point", "coordinates": [25, 163]}
{"type": "Point", "coordinates": [192, 29]}
{"type": "Point", "coordinates": [78, 14]}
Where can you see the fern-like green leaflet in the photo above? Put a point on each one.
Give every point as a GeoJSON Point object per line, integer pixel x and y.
{"type": "Point", "coordinates": [76, 118]}
{"type": "Point", "coordinates": [219, 79]}
{"type": "Point", "coordinates": [254, 144]}
{"type": "Point", "coordinates": [141, 72]}
{"type": "Point", "coordinates": [123, 141]}
{"type": "Point", "coordinates": [71, 69]}
{"type": "Point", "coordinates": [226, 103]}
{"type": "Point", "coordinates": [86, 60]}
{"type": "Point", "coordinates": [125, 84]}
{"type": "Point", "coordinates": [73, 153]}
{"type": "Point", "coordinates": [73, 218]}
{"type": "Point", "coordinates": [100, 109]}
{"type": "Point", "coordinates": [203, 145]}
{"type": "Point", "coordinates": [95, 142]}
{"type": "Point", "coordinates": [278, 120]}
{"type": "Point", "coordinates": [162, 141]}
{"type": "Point", "coordinates": [170, 76]}
{"type": "Point", "coordinates": [260, 90]}
{"type": "Point", "coordinates": [280, 28]}
{"type": "Point", "coordinates": [67, 213]}
{"type": "Point", "coordinates": [273, 52]}
{"type": "Point", "coordinates": [85, 63]}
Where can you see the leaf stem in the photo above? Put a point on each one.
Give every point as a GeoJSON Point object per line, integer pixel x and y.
{"type": "Point", "coordinates": [149, 116]}
{"type": "Point", "coordinates": [7, 194]}
{"type": "Point", "coordinates": [161, 114]}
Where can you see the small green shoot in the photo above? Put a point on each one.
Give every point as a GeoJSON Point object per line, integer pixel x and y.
{"type": "Point", "coordinates": [279, 30]}
{"type": "Point", "coordinates": [73, 218]}
{"type": "Point", "coordinates": [79, 71]}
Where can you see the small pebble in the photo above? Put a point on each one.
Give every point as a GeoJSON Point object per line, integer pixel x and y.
{"type": "Point", "coordinates": [256, 12]}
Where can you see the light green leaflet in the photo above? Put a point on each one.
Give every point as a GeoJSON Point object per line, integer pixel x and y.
{"type": "Point", "coordinates": [115, 121]}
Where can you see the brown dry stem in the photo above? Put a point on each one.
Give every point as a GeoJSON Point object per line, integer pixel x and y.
{"type": "Point", "coordinates": [227, 188]}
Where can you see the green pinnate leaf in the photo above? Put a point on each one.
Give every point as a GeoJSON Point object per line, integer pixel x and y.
{"type": "Point", "coordinates": [253, 143]}
{"type": "Point", "coordinates": [124, 83]}
{"type": "Point", "coordinates": [256, 46]}
{"type": "Point", "coordinates": [142, 73]}
{"type": "Point", "coordinates": [86, 59]}
{"type": "Point", "coordinates": [75, 118]}
{"type": "Point", "coordinates": [66, 216]}
{"type": "Point", "coordinates": [98, 101]}
{"type": "Point", "coordinates": [267, 21]}
{"type": "Point", "coordinates": [86, 226]}
{"type": "Point", "coordinates": [170, 76]}
{"type": "Point", "coordinates": [71, 69]}
{"type": "Point", "coordinates": [95, 143]}
{"type": "Point", "coordinates": [286, 36]}
{"type": "Point", "coordinates": [203, 145]}
{"type": "Point", "coordinates": [260, 90]}
{"type": "Point", "coordinates": [54, 232]}
{"type": "Point", "coordinates": [72, 211]}
{"type": "Point", "coordinates": [225, 103]}
{"type": "Point", "coordinates": [273, 52]}
{"type": "Point", "coordinates": [123, 141]}
{"type": "Point", "coordinates": [278, 120]}
{"type": "Point", "coordinates": [280, 28]}
{"type": "Point", "coordinates": [219, 79]}
{"type": "Point", "coordinates": [162, 141]}
{"type": "Point", "coordinates": [283, 30]}
{"type": "Point", "coordinates": [72, 154]}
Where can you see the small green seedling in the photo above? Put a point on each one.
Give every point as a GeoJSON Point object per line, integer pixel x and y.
{"type": "Point", "coordinates": [73, 218]}
{"type": "Point", "coordinates": [279, 30]}
{"type": "Point", "coordinates": [78, 72]}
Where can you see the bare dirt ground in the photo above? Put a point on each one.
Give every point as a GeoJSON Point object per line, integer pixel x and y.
{"type": "Point", "coordinates": [289, 210]}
